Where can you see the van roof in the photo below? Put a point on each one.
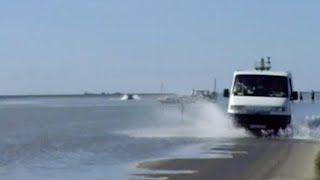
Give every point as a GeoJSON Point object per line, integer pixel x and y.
{"type": "Point", "coordinates": [257, 72]}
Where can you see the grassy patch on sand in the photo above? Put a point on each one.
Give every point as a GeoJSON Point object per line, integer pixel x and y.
{"type": "Point", "coordinates": [317, 166]}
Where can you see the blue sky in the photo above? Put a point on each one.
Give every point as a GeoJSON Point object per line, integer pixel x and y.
{"type": "Point", "coordinates": [75, 46]}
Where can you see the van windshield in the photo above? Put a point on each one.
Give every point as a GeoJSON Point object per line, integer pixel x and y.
{"type": "Point", "coordinates": [261, 85]}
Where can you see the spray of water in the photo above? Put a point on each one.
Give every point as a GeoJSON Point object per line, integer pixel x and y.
{"type": "Point", "coordinates": [306, 121]}
{"type": "Point", "coordinates": [189, 120]}
{"type": "Point", "coordinates": [307, 128]}
{"type": "Point", "coordinates": [126, 97]}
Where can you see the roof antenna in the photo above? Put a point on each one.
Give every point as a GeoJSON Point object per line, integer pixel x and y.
{"type": "Point", "coordinates": [263, 65]}
{"type": "Point", "coordinates": [268, 66]}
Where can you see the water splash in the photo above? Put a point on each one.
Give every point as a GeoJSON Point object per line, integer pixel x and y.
{"type": "Point", "coordinates": [307, 128]}
{"type": "Point", "coordinates": [127, 97]}
{"type": "Point", "coordinates": [205, 120]}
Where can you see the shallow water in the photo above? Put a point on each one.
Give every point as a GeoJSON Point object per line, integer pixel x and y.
{"type": "Point", "coordinates": [104, 138]}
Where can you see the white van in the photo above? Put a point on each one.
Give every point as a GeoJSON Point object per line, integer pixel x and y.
{"type": "Point", "coordinates": [261, 99]}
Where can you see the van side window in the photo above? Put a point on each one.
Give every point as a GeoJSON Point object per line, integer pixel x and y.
{"type": "Point", "coordinates": [290, 85]}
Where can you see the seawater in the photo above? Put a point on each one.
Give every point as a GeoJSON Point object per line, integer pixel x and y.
{"type": "Point", "coordinates": [104, 138]}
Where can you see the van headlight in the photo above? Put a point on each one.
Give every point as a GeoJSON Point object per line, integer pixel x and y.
{"type": "Point", "coordinates": [237, 107]}
{"type": "Point", "coordinates": [278, 109]}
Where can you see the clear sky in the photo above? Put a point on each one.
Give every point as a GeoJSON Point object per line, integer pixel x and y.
{"type": "Point", "coordinates": [73, 46]}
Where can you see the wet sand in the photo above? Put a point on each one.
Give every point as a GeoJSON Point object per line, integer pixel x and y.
{"type": "Point", "coordinates": [264, 159]}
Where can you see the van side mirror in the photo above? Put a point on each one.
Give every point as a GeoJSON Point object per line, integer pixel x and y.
{"type": "Point", "coordinates": [294, 95]}
{"type": "Point", "coordinates": [226, 93]}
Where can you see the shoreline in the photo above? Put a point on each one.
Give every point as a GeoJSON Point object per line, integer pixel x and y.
{"type": "Point", "coordinates": [266, 159]}
{"type": "Point", "coordinates": [78, 95]}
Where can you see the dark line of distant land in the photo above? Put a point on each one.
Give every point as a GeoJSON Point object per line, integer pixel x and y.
{"type": "Point", "coordinates": [85, 95]}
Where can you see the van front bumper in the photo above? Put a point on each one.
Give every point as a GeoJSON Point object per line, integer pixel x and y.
{"type": "Point", "coordinates": [256, 121]}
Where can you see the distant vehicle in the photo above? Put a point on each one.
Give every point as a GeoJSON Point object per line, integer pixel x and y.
{"type": "Point", "coordinates": [198, 96]}
{"type": "Point", "coordinates": [261, 99]}
{"type": "Point", "coordinates": [204, 95]}
{"type": "Point", "coordinates": [176, 100]}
